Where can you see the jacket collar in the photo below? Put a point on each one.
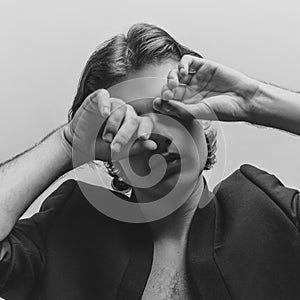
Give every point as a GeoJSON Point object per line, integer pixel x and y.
{"type": "Point", "coordinates": [201, 264]}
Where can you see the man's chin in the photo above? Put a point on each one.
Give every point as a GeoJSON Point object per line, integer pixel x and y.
{"type": "Point", "coordinates": [169, 182]}
{"type": "Point", "coordinates": [173, 177]}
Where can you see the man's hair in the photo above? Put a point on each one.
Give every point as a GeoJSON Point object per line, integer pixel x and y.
{"type": "Point", "coordinates": [144, 44]}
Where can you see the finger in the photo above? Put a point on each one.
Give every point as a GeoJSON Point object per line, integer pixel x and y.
{"type": "Point", "coordinates": [89, 112]}
{"type": "Point", "coordinates": [201, 110]}
{"type": "Point", "coordinates": [105, 103]}
{"type": "Point", "coordinates": [90, 105]}
{"type": "Point", "coordinates": [173, 80]}
{"type": "Point", "coordinates": [145, 128]}
{"type": "Point", "coordinates": [118, 113]}
{"type": "Point", "coordinates": [180, 93]}
{"type": "Point", "coordinates": [188, 66]}
{"type": "Point", "coordinates": [156, 104]}
{"type": "Point", "coordinates": [163, 106]}
{"type": "Point", "coordinates": [125, 133]}
{"type": "Point", "coordinates": [140, 146]}
{"type": "Point", "coordinates": [137, 148]}
{"type": "Point", "coordinates": [150, 145]}
{"type": "Point", "coordinates": [102, 98]}
{"type": "Point", "coordinates": [189, 63]}
{"type": "Point", "coordinates": [166, 93]}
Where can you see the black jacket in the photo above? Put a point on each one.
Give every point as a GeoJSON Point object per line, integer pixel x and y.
{"type": "Point", "coordinates": [244, 244]}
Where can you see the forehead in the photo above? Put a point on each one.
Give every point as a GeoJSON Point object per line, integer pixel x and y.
{"type": "Point", "coordinates": [137, 88]}
{"type": "Point", "coordinates": [138, 92]}
{"type": "Point", "coordinates": [140, 87]}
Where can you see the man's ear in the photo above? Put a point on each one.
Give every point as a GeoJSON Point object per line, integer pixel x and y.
{"type": "Point", "coordinates": [121, 173]}
{"type": "Point", "coordinates": [211, 141]}
{"type": "Point", "coordinates": [205, 123]}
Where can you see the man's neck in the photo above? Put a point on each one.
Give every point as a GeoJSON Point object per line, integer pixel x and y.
{"type": "Point", "coordinates": [174, 228]}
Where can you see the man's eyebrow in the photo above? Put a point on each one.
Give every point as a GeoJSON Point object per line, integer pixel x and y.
{"type": "Point", "coordinates": [138, 88]}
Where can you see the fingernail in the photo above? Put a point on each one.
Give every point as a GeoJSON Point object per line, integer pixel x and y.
{"type": "Point", "coordinates": [167, 107]}
{"type": "Point", "coordinates": [154, 147]}
{"type": "Point", "coordinates": [156, 106]}
{"type": "Point", "coordinates": [183, 72]}
{"type": "Point", "coordinates": [108, 137]}
{"type": "Point", "coordinates": [145, 136]}
{"type": "Point", "coordinates": [105, 112]}
{"type": "Point", "coordinates": [116, 147]}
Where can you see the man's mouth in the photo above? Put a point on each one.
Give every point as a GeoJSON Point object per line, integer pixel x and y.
{"type": "Point", "coordinates": [171, 157]}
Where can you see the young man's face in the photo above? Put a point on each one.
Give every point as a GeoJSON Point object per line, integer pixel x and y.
{"type": "Point", "coordinates": [173, 136]}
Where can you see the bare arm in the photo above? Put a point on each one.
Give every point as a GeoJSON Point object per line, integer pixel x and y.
{"type": "Point", "coordinates": [276, 107]}
{"type": "Point", "coordinates": [27, 175]}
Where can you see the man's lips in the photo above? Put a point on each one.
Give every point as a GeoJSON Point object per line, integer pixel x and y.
{"type": "Point", "coordinates": [170, 158]}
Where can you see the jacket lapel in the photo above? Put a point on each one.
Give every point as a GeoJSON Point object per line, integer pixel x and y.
{"type": "Point", "coordinates": [200, 253]}
{"type": "Point", "coordinates": [139, 265]}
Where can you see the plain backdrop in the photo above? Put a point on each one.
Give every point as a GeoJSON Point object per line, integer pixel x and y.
{"type": "Point", "coordinates": [44, 47]}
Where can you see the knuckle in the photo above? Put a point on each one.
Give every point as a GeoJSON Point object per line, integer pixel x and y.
{"type": "Point", "coordinates": [118, 102]}
{"type": "Point", "coordinates": [122, 137]}
{"type": "Point", "coordinates": [104, 93]}
{"type": "Point", "coordinates": [171, 74]}
{"type": "Point", "coordinates": [112, 126]}
{"type": "Point", "coordinates": [130, 110]}
{"type": "Point", "coordinates": [134, 121]}
{"type": "Point", "coordinates": [187, 57]}
{"type": "Point", "coordinates": [117, 105]}
{"type": "Point", "coordinates": [144, 121]}
{"type": "Point", "coordinates": [98, 94]}
{"type": "Point", "coordinates": [86, 101]}
{"type": "Point", "coordinates": [151, 118]}
{"type": "Point", "coordinates": [117, 114]}
{"type": "Point", "coordinates": [165, 87]}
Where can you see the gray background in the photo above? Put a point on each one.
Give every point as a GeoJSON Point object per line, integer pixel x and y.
{"type": "Point", "coordinates": [44, 46]}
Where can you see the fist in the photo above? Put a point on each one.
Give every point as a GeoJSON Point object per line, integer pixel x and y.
{"type": "Point", "coordinates": [104, 128]}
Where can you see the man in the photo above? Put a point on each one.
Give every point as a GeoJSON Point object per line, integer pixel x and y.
{"type": "Point", "coordinates": [243, 245]}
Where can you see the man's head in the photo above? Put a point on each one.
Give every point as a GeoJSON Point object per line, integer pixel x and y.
{"type": "Point", "coordinates": [146, 51]}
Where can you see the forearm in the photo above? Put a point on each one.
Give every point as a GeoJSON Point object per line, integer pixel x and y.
{"type": "Point", "coordinates": [26, 176]}
{"type": "Point", "coordinates": [277, 108]}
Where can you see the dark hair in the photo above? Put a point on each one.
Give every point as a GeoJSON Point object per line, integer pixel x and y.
{"type": "Point", "coordinates": [143, 44]}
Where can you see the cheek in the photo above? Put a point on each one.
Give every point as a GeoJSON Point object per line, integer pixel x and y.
{"type": "Point", "coordinates": [138, 164]}
{"type": "Point", "coordinates": [202, 151]}
{"type": "Point", "coordinates": [198, 154]}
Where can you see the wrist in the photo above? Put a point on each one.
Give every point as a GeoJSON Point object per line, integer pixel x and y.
{"type": "Point", "coordinates": [258, 102]}
{"type": "Point", "coordinates": [277, 108]}
{"type": "Point", "coordinates": [65, 143]}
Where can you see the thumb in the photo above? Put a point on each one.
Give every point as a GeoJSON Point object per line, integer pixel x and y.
{"type": "Point", "coordinates": [142, 145]}
{"type": "Point", "coordinates": [200, 110]}
{"type": "Point", "coordinates": [136, 148]}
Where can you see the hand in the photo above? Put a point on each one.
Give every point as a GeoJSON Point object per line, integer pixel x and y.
{"type": "Point", "coordinates": [203, 89]}
{"type": "Point", "coordinates": [116, 124]}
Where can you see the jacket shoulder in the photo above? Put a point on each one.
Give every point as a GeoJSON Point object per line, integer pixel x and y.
{"type": "Point", "coordinates": [287, 199]}
{"type": "Point", "coordinates": [59, 195]}
{"type": "Point", "coordinates": [251, 185]}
